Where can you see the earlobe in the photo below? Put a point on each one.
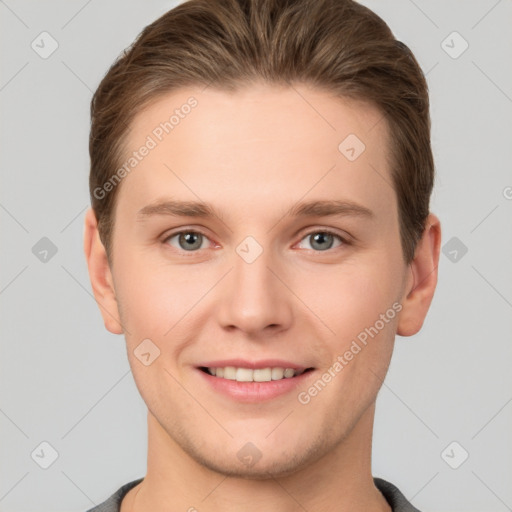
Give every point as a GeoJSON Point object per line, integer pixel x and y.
{"type": "Point", "coordinates": [422, 281]}
{"type": "Point", "coordinates": [100, 275]}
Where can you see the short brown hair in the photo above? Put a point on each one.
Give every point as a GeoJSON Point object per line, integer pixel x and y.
{"type": "Point", "coordinates": [336, 45]}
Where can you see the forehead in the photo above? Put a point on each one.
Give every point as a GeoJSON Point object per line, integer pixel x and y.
{"type": "Point", "coordinates": [293, 141]}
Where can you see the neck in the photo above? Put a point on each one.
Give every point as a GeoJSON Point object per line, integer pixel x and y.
{"type": "Point", "coordinates": [340, 480]}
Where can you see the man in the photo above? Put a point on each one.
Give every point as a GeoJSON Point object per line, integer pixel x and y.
{"type": "Point", "coordinates": [228, 144]}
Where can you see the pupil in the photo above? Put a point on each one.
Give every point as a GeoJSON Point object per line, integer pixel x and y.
{"type": "Point", "coordinates": [191, 240]}
{"type": "Point", "coordinates": [321, 237]}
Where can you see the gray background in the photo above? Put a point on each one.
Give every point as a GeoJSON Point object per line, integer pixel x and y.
{"type": "Point", "coordinates": [66, 381]}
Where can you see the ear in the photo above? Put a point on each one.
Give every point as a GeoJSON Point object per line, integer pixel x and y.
{"type": "Point", "coordinates": [422, 279]}
{"type": "Point", "coordinates": [100, 275]}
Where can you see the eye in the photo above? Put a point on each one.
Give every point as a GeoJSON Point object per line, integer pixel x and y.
{"type": "Point", "coordinates": [189, 240]}
{"type": "Point", "coordinates": [192, 241]}
{"type": "Point", "coordinates": [322, 240]}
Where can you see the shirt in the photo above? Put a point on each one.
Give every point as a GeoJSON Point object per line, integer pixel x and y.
{"type": "Point", "coordinates": [397, 501]}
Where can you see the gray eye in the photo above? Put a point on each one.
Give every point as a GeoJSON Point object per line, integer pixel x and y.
{"type": "Point", "coordinates": [187, 240]}
{"type": "Point", "coordinates": [321, 241]}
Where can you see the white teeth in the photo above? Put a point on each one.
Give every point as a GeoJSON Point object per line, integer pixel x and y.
{"type": "Point", "coordinates": [244, 375]}
{"type": "Point", "coordinates": [277, 373]}
{"type": "Point", "coordinates": [258, 375]}
{"type": "Point", "coordinates": [230, 372]}
{"type": "Point", "coordinates": [262, 375]}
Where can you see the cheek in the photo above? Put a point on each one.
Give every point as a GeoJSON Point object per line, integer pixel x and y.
{"type": "Point", "coordinates": [152, 303]}
{"type": "Point", "coordinates": [352, 298]}
{"type": "Point", "coordinates": [358, 304]}
{"type": "Point", "coordinates": [151, 296]}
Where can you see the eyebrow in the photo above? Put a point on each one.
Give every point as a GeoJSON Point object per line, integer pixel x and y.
{"type": "Point", "coordinates": [319, 208]}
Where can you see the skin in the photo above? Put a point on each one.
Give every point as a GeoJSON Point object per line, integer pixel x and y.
{"type": "Point", "coordinates": [254, 154]}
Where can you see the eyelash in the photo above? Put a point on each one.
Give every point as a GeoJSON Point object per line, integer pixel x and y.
{"type": "Point", "coordinates": [195, 231]}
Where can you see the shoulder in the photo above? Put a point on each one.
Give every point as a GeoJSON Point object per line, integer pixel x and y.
{"type": "Point", "coordinates": [397, 501]}
{"type": "Point", "coordinates": [113, 503]}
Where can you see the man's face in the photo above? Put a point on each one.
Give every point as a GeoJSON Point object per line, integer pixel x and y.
{"type": "Point", "coordinates": [257, 283]}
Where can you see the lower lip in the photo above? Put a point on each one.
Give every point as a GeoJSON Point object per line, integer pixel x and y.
{"type": "Point", "coordinates": [251, 392]}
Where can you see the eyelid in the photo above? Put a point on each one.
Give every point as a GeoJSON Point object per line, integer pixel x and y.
{"type": "Point", "coordinates": [322, 229]}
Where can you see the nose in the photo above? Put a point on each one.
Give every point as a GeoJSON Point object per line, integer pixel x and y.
{"type": "Point", "coordinates": [255, 299]}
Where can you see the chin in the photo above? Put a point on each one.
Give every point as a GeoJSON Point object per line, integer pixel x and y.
{"type": "Point", "coordinates": [261, 470]}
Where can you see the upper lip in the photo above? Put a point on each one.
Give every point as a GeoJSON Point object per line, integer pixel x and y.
{"type": "Point", "coordinates": [243, 363]}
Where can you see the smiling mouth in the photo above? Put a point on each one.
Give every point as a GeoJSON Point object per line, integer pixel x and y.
{"type": "Point", "coordinates": [253, 375]}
